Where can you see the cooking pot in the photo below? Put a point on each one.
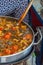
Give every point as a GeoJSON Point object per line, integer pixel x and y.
{"type": "Point", "coordinates": [23, 53]}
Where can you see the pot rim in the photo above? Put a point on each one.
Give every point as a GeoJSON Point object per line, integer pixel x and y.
{"type": "Point", "coordinates": [28, 46]}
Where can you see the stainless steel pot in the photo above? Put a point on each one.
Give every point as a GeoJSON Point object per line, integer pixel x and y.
{"type": "Point", "coordinates": [19, 55]}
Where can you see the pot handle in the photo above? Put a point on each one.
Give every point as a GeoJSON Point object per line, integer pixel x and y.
{"type": "Point", "coordinates": [38, 32]}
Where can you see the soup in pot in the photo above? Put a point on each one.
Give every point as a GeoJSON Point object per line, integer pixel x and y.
{"type": "Point", "coordinates": [13, 38]}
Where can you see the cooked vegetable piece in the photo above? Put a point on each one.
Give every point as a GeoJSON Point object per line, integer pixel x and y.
{"type": "Point", "coordinates": [24, 47]}
{"type": "Point", "coordinates": [1, 28]}
{"type": "Point", "coordinates": [9, 33]}
{"type": "Point", "coordinates": [7, 36]}
{"type": "Point", "coordinates": [15, 40]}
{"type": "Point", "coordinates": [23, 27]}
{"type": "Point", "coordinates": [9, 24]}
{"type": "Point", "coordinates": [19, 50]}
{"type": "Point", "coordinates": [26, 44]}
{"type": "Point", "coordinates": [13, 28]}
{"type": "Point", "coordinates": [1, 54]}
{"type": "Point", "coordinates": [28, 36]}
{"type": "Point", "coordinates": [1, 33]}
{"type": "Point", "coordinates": [30, 40]}
{"type": "Point", "coordinates": [17, 27]}
{"type": "Point", "coordinates": [15, 47]}
{"type": "Point", "coordinates": [20, 34]}
{"type": "Point", "coordinates": [7, 51]}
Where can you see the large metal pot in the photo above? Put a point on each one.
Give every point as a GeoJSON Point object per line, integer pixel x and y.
{"type": "Point", "coordinates": [19, 55]}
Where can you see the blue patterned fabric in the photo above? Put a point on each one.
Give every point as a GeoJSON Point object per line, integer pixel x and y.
{"type": "Point", "coordinates": [15, 6]}
{"type": "Point", "coordinates": [6, 6]}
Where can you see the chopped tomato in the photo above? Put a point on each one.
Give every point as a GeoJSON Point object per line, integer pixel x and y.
{"type": "Point", "coordinates": [28, 36]}
{"type": "Point", "coordinates": [13, 28]}
{"type": "Point", "coordinates": [9, 33]}
{"type": "Point", "coordinates": [7, 36]}
{"type": "Point", "coordinates": [1, 37]}
{"type": "Point", "coordinates": [7, 51]}
{"type": "Point", "coordinates": [0, 54]}
{"type": "Point", "coordinates": [1, 28]}
{"type": "Point", "coordinates": [15, 47]}
{"type": "Point", "coordinates": [13, 51]}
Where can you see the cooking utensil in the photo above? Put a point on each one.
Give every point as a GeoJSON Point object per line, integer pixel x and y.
{"type": "Point", "coordinates": [19, 55]}
{"type": "Point", "coordinates": [25, 12]}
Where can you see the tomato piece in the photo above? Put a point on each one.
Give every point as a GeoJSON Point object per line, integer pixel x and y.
{"type": "Point", "coordinates": [1, 28]}
{"type": "Point", "coordinates": [13, 28]}
{"type": "Point", "coordinates": [15, 47]}
{"type": "Point", "coordinates": [23, 27]}
{"type": "Point", "coordinates": [9, 33]}
{"type": "Point", "coordinates": [28, 36]}
{"type": "Point", "coordinates": [7, 51]}
{"type": "Point", "coordinates": [7, 36]}
{"type": "Point", "coordinates": [0, 54]}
